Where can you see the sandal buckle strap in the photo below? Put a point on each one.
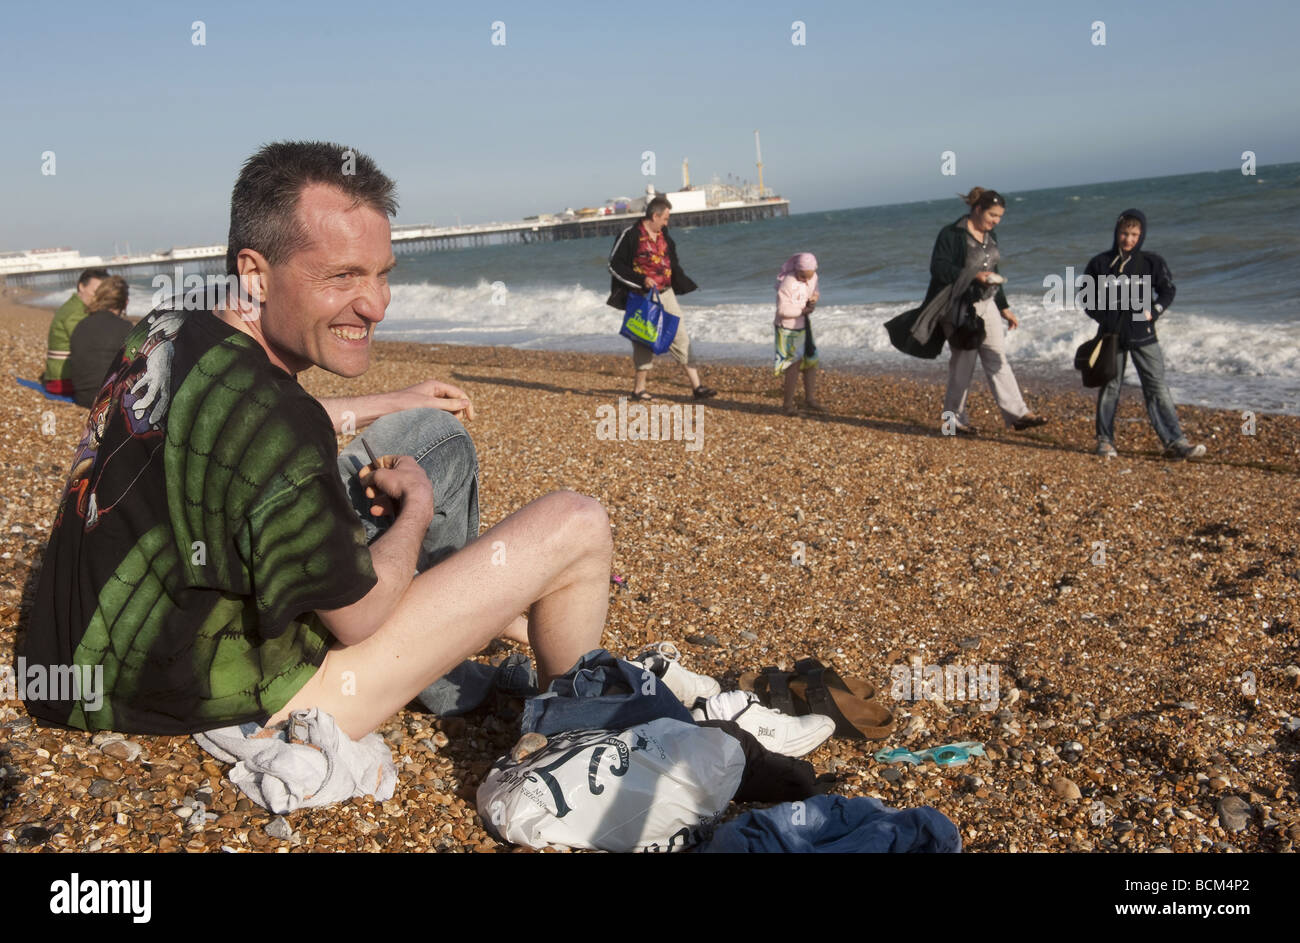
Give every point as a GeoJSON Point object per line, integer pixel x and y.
{"type": "Point", "coordinates": [778, 691]}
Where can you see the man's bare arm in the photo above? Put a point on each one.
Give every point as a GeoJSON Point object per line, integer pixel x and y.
{"type": "Point", "coordinates": [394, 554]}
{"type": "Point", "coordinates": [394, 558]}
{"type": "Point", "coordinates": [356, 412]}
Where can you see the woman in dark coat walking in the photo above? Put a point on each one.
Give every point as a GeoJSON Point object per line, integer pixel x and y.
{"type": "Point", "coordinates": [967, 252]}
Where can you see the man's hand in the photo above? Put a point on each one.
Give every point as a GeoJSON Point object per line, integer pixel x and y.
{"type": "Point", "coordinates": [649, 284]}
{"type": "Point", "coordinates": [982, 277]}
{"type": "Point", "coordinates": [816, 297]}
{"type": "Point", "coordinates": [399, 482]}
{"type": "Point", "coordinates": [439, 395]}
{"type": "Point", "coordinates": [1011, 319]}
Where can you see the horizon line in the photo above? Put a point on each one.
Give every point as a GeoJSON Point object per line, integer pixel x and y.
{"type": "Point", "coordinates": [838, 209]}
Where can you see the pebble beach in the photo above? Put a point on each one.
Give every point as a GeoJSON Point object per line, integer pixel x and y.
{"type": "Point", "coordinates": [1139, 616]}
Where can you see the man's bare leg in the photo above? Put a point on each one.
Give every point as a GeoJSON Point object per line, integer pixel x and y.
{"type": "Point", "coordinates": [553, 554]}
{"type": "Point", "coordinates": [517, 630]}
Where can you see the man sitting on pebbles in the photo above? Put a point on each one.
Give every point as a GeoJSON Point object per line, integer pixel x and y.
{"type": "Point", "coordinates": [224, 564]}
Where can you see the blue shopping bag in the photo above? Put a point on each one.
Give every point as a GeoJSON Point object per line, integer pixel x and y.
{"type": "Point", "coordinates": [647, 323]}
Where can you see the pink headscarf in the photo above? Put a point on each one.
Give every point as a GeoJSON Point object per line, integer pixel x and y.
{"type": "Point", "coordinates": [801, 262]}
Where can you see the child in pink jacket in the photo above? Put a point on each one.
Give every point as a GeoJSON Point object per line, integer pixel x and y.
{"type": "Point", "coordinates": [796, 295]}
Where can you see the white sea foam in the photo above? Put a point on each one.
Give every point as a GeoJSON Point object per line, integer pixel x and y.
{"type": "Point", "coordinates": [51, 299]}
{"type": "Point", "coordinates": [1211, 359]}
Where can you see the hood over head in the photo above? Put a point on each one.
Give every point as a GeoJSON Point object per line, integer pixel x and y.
{"type": "Point", "coordinates": [799, 262]}
{"type": "Point", "coordinates": [1141, 217]}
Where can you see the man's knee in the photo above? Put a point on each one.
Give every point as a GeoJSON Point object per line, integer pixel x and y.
{"type": "Point", "coordinates": [423, 427]}
{"type": "Point", "coordinates": [417, 432]}
{"type": "Point", "coordinates": [1153, 387]}
{"type": "Point", "coordinates": [583, 519]}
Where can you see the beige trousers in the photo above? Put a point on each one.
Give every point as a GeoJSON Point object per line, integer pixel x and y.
{"type": "Point", "coordinates": [992, 354]}
{"type": "Point", "coordinates": [680, 349]}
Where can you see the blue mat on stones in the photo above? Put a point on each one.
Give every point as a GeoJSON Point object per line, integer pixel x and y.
{"type": "Point", "coordinates": [40, 388]}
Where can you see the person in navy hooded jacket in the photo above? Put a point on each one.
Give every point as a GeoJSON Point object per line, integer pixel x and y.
{"type": "Point", "coordinates": [1145, 291]}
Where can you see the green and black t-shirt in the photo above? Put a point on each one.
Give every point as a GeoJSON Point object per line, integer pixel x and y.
{"type": "Point", "coordinates": [203, 523]}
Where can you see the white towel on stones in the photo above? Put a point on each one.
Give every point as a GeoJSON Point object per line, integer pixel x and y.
{"type": "Point", "coordinates": [306, 763]}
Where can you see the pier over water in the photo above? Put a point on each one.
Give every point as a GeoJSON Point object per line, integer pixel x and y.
{"type": "Point", "coordinates": [61, 268]}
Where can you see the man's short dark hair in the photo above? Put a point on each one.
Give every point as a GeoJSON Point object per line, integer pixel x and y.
{"type": "Point", "coordinates": [264, 203]}
{"type": "Point", "coordinates": [1124, 222]}
{"type": "Point", "coordinates": [92, 273]}
{"type": "Point", "coordinates": [657, 206]}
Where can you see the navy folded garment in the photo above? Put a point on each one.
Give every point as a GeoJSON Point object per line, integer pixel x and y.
{"type": "Point", "coordinates": [772, 777]}
{"type": "Point", "coordinates": [835, 824]}
{"type": "Point", "coordinates": [601, 692]}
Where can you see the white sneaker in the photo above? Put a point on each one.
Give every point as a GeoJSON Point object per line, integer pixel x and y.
{"type": "Point", "coordinates": [780, 733]}
{"type": "Point", "coordinates": [687, 686]}
{"type": "Point", "coordinates": [1184, 450]}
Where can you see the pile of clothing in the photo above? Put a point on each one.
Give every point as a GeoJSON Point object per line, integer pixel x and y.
{"type": "Point", "coordinates": [643, 755]}
{"type": "Point", "coordinates": [616, 755]}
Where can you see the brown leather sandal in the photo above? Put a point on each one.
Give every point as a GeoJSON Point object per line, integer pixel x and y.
{"type": "Point", "coordinates": [772, 685]}
{"type": "Point", "coordinates": [849, 702]}
{"type": "Point", "coordinates": [812, 688]}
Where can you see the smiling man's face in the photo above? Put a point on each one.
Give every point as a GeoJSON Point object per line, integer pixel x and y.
{"type": "Point", "coordinates": [321, 305]}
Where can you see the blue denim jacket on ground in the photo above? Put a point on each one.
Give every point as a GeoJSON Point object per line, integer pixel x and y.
{"type": "Point", "coordinates": [468, 685]}
{"type": "Point", "coordinates": [837, 824]}
{"type": "Point", "coordinates": [604, 693]}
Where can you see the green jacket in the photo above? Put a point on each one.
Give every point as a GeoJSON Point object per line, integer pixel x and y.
{"type": "Point", "coordinates": [949, 258]}
{"type": "Point", "coordinates": [71, 313]}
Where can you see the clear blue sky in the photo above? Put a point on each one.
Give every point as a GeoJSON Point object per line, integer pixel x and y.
{"type": "Point", "coordinates": [149, 129]}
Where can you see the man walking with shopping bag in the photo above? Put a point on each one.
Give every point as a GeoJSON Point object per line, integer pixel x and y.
{"type": "Point", "coordinates": [644, 258]}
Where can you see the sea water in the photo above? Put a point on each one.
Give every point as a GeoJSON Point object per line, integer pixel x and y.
{"type": "Point", "coordinates": [1232, 241]}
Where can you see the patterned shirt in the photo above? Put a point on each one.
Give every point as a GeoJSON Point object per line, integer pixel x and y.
{"type": "Point", "coordinates": [651, 259]}
{"type": "Point", "coordinates": [203, 524]}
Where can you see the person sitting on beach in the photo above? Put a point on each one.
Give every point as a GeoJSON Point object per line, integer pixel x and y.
{"type": "Point", "coordinates": [644, 257]}
{"type": "Point", "coordinates": [225, 564]}
{"type": "Point", "coordinates": [97, 339]}
{"type": "Point", "coordinates": [967, 252]}
{"type": "Point", "coordinates": [1135, 325]}
{"type": "Point", "coordinates": [59, 343]}
{"type": "Point", "coordinates": [796, 296]}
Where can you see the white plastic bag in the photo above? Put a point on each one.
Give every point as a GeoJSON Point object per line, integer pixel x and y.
{"type": "Point", "coordinates": [647, 788]}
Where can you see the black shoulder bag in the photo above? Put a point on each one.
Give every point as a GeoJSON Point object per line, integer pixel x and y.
{"type": "Point", "coordinates": [1098, 359]}
{"type": "Point", "coordinates": [968, 330]}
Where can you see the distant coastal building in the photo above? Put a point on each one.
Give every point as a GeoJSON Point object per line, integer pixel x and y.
{"type": "Point", "coordinates": [712, 205]}
{"type": "Point", "coordinates": [45, 260]}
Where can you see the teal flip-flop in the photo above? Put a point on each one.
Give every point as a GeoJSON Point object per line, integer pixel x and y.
{"type": "Point", "coordinates": [950, 754]}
